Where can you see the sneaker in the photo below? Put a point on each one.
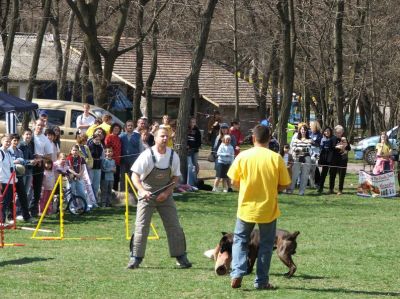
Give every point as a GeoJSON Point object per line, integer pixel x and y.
{"type": "Point", "coordinates": [20, 217]}
{"type": "Point", "coordinates": [134, 263]}
{"type": "Point", "coordinates": [183, 262]}
{"type": "Point", "coordinates": [225, 191]}
{"type": "Point", "coordinates": [230, 190]}
{"type": "Point", "coordinates": [236, 283]}
{"type": "Point", "coordinates": [215, 190]}
{"type": "Point", "coordinates": [267, 286]}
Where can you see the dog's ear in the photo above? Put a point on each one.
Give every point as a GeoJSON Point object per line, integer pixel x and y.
{"type": "Point", "coordinates": [293, 236]}
{"type": "Point", "coordinates": [224, 233]}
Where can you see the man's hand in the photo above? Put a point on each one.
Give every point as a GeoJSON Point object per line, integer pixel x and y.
{"type": "Point", "coordinates": [146, 195]}
{"type": "Point", "coordinates": [163, 196]}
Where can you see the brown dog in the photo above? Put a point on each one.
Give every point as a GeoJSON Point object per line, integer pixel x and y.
{"type": "Point", "coordinates": [285, 245]}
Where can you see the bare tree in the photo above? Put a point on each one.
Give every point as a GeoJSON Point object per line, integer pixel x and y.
{"type": "Point", "coordinates": [5, 69]}
{"type": "Point", "coordinates": [189, 84]}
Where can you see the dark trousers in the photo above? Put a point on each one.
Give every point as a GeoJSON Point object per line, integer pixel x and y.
{"type": "Point", "coordinates": [7, 200]}
{"type": "Point", "coordinates": [322, 178]}
{"type": "Point", "coordinates": [117, 174]}
{"type": "Point", "coordinates": [37, 174]}
{"type": "Point", "coordinates": [341, 168]}
{"type": "Point", "coordinates": [22, 198]}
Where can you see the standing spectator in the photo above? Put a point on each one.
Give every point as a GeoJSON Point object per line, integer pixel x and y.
{"type": "Point", "coordinates": [20, 162]}
{"type": "Point", "coordinates": [85, 120]}
{"type": "Point", "coordinates": [259, 173]}
{"type": "Point", "coordinates": [43, 150]}
{"type": "Point", "coordinates": [112, 140]}
{"type": "Point", "coordinates": [339, 160]}
{"type": "Point", "coordinates": [288, 158]}
{"type": "Point", "coordinates": [154, 127]}
{"type": "Point", "coordinates": [213, 127]}
{"type": "Point", "coordinates": [145, 136]}
{"type": "Point", "coordinates": [6, 166]}
{"type": "Point", "coordinates": [235, 131]}
{"type": "Point", "coordinates": [76, 168]}
{"type": "Point", "coordinates": [316, 136]}
{"type": "Point", "coordinates": [383, 153]}
{"type": "Point", "coordinates": [155, 169]}
{"type": "Point", "coordinates": [131, 147]}
{"type": "Point", "coordinates": [328, 143]}
{"type": "Point", "coordinates": [85, 153]}
{"type": "Point", "coordinates": [96, 150]}
{"type": "Point", "coordinates": [49, 133]}
{"type": "Point", "coordinates": [106, 123]}
{"type": "Point", "coordinates": [44, 117]}
{"type": "Point", "coordinates": [28, 149]}
{"type": "Point", "coordinates": [225, 155]}
{"type": "Point", "coordinates": [301, 146]}
{"type": "Point", "coordinates": [166, 125]}
{"type": "Point", "coordinates": [90, 131]}
{"type": "Point", "coordinates": [193, 146]}
{"type": "Point", "coordinates": [49, 180]}
{"type": "Point", "coordinates": [109, 168]}
{"type": "Point", "coordinates": [57, 138]}
{"type": "Point", "coordinates": [141, 124]}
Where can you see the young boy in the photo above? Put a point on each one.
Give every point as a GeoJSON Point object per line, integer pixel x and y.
{"type": "Point", "coordinates": [225, 156]}
{"type": "Point", "coordinates": [6, 166]}
{"type": "Point", "coordinates": [108, 167]}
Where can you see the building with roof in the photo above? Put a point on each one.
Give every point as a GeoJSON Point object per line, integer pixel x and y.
{"type": "Point", "coordinates": [216, 84]}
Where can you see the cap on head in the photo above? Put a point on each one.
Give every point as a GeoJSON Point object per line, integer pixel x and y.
{"type": "Point", "coordinates": [224, 126]}
{"type": "Point", "coordinates": [43, 113]}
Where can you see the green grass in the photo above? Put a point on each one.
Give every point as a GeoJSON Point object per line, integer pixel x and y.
{"type": "Point", "coordinates": [348, 248]}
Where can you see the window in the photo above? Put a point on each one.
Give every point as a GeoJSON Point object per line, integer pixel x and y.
{"type": "Point", "coordinates": [56, 117]}
{"type": "Point", "coordinates": [74, 116]}
{"type": "Point", "coordinates": [165, 106]}
{"type": "Point", "coordinates": [13, 90]}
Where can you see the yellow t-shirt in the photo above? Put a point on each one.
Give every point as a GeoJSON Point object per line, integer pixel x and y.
{"type": "Point", "coordinates": [384, 149]}
{"type": "Point", "coordinates": [259, 171]}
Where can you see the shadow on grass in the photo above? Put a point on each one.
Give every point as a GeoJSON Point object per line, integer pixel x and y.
{"type": "Point", "coordinates": [346, 291]}
{"type": "Point", "coordinates": [24, 260]}
{"type": "Point", "coordinates": [300, 276]}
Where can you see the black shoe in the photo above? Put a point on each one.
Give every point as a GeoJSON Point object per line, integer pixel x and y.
{"type": "Point", "coordinates": [183, 262]}
{"type": "Point", "coordinates": [230, 190]}
{"type": "Point", "coordinates": [134, 263]}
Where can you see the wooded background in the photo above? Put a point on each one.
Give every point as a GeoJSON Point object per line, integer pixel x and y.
{"type": "Point", "coordinates": [340, 56]}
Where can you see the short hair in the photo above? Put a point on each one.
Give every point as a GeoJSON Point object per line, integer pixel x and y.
{"type": "Point", "coordinates": [339, 127]}
{"type": "Point", "coordinates": [227, 136]}
{"type": "Point", "coordinates": [160, 129]}
{"type": "Point", "coordinates": [286, 146]}
{"type": "Point", "coordinates": [261, 134]}
{"type": "Point", "coordinates": [115, 125]}
{"type": "Point", "coordinates": [81, 139]}
{"type": "Point", "coordinates": [27, 130]}
{"type": "Point", "coordinates": [108, 149]}
{"type": "Point", "coordinates": [86, 105]}
{"type": "Point", "coordinates": [106, 117]}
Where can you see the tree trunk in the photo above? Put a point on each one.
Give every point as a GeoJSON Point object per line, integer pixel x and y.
{"type": "Point", "coordinates": [55, 24]}
{"type": "Point", "coordinates": [4, 10]}
{"type": "Point", "coordinates": [137, 97]}
{"type": "Point", "coordinates": [85, 80]}
{"type": "Point", "coordinates": [63, 79]}
{"type": "Point", "coordinates": [77, 77]}
{"type": "Point", "coordinates": [338, 66]}
{"type": "Point", "coordinates": [286, 13]}
{"type": "Point", "coordinates": [274, 66]}
{"type": "Point", "coordinates": [153, 68]}
{"type": "Point", "coordinates": [5, 69]}
{"type": "Point", "coordinates": [188, 86]}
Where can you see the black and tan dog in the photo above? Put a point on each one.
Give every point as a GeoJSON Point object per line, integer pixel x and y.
{"type": "Point", "coordinates": [285, 245]}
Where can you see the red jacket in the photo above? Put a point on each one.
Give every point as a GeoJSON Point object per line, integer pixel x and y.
{"type": "Point", "coordinates": [114, 142]}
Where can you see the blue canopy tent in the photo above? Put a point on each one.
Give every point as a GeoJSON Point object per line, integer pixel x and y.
{"type": "Point", "coordinates": [10, 105]}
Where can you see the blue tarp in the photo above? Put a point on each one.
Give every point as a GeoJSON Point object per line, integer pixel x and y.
{"type": "Point", "coordinates": [120, 102]}
{"type": "Point", "coordinates": [11, 103]}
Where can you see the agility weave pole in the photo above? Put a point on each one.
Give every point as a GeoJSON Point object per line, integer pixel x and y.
{"type": "Point", "coordinates": [2, 224]}
{"type": "Point", "coordinates": [61, 212]}
{"type": "Point", "coordinates": [127, 231]}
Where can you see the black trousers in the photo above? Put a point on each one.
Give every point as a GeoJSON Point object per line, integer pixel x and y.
{"type": "Point", "coordinates": [341, 169]}
{"type": "Point", "coordinates": [322, 178]}
{"type": "Point", "coordinates": [37, 174]}
{"type": "Point", "coordinates": [117, 174]}
{"type": "Point", "coordinates": [7, 201]}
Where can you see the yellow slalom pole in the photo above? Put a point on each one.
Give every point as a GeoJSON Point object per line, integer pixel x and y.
{"type": "Point", "coordinates": [61, 209]}
{"type": "Point", "coordinates": [156, 237]}
{"type": "Point", "coordinates": [46, 207]}
{"type": "Point", "coordinates": [126, 207]}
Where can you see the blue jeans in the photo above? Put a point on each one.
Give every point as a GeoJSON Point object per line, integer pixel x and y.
{"type": "Point", "coordinates": [192, 160]}
{"type": "Point", "coordinates": [241, 240]}
{"type": "Point", "coordinates": [78, 188]}
{"type": "Point", "coordinates": [95, 177]}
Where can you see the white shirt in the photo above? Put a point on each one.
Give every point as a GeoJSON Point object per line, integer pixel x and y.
{"type": "Point", "coordinates": [144, 163]}
{"type": "Point", "coordinates": [83, 120]}
{"type": "Point", "coordinates": [43, 145]}
{"type": "Point", "coordinates": [6, 164]}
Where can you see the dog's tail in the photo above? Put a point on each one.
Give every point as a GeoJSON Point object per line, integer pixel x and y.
{"type": "Point", "coordinates": [293, 236]}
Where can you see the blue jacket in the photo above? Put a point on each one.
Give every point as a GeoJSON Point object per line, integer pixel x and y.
{"type": "Point", "coordinates": [107, 167]}
{"type": "Point", "coordinates": [130, 148]}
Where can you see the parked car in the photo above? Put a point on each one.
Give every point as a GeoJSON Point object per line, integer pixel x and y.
{"type": "Point", "coordinates": [64, 115]}
{"type": "Point", "coordinates": [366, 148]}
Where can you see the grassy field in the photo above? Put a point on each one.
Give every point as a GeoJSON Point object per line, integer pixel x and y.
{"type": "Point", "coordinates": [348, 248]}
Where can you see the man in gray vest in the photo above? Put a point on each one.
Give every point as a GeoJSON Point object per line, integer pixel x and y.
{"type": "Point", "coordinates": [152, 174]}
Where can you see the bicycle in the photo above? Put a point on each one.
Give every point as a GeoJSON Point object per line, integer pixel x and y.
{"type": "Point", "coordinates": [75, 204]}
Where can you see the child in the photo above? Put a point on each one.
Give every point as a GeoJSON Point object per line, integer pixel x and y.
{"type": "Point", "coordinates": [225, 156]}
{"type": "Point", "coordinates": [77, 168]}
{"type": "Point", "coordinates": [166, 125]}
{"type": "Point", "coordinates": [61, 166]}
{"type": "Point", "coordinates": [235, 131]}
{"type": "Point", "coordinates": [52, 136]}
{"type": "Point", "coordinates": [288, 158]}
{"type": "Point", "coordinates": [49, 180]}
{"type": "Point", "coordinates": [96, 150]}
{"type": "Point", "coordinates": [6, 165]}
{"type": "Point", "coordinates": [108, 167]}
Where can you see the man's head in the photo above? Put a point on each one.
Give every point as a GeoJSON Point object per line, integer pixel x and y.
{"type": "Point", "coordinates": [43, 114]}
{"type": "Point", "coordinates": [86, 108]}
{"type": "Point", "coordinates": [261, 134]}
{"type": "Point", "coordinates": [6, 141]}
{"type": "Point", "coordinates": [27, 135]}
{"type": "Point", "coordinates": [129, 126]}
{"type": "Point", "coordinates": [107, 119]}
{"type": "Point", "coordinates": [161, 137]}
{"type": "Point", "coordinates": [141, 124]}
{"type": "Point", "coordinates": [39, 125]}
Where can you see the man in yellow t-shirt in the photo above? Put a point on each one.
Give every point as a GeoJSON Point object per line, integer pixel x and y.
{"type": "Point", "coordinates": [259, 173]}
